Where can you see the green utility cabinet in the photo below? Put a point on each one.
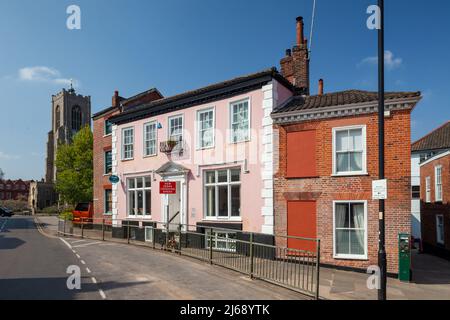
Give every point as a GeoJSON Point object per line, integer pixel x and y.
{"type": "Point", "coordinates": [404, 258]}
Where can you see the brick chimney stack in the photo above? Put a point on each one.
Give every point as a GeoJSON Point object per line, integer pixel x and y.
{"type": "Point", "coordinates": [295, 65]}
{"type": "Point", "coordinates": [116, 99]}
{"type": "Point", "coordinates": [320, 87]}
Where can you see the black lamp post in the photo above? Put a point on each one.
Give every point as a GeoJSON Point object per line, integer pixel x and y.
{"type": "Point", "coordinates": [382, 261]}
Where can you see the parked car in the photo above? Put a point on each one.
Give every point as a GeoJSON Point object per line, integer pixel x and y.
{"type": "Point", "coordinates": [5, 212]}
{"type": "Point", "coordinates": [83, 213]}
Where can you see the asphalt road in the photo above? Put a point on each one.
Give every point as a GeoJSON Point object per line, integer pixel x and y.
{"type": "Point", "coordinates": [33, 266]}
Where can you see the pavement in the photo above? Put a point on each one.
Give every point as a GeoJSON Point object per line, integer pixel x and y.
{"type": "Point", "coordinates": [149, 268]}
{"type": "Point", "coordinates": [37, 259]}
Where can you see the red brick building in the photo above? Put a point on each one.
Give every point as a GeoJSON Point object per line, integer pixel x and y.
{"type": "Point", "coordinates": [14, 189]}
{"type": "Point", "coordinates": [103, 147]}
{"type": "Point", "coordinates": [435, 204]}
{"type": "Point", "coordinates": [327, 159]}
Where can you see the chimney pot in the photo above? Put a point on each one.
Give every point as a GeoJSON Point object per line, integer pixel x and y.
{"type": "Point", "coordinates": [115, 99]}
{"type": "Point", "coordinates": [288, 52]}
{"type": "Point", "coordinates": [300, 31]}
{"type": "Point", "coordinates": [320, 87]}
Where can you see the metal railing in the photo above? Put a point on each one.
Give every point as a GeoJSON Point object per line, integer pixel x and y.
{"type": "Point", "coordinates": [295, 266]}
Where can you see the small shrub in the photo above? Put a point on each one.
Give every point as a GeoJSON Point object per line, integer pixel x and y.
{"type": "Point", "coordinates": [51, 210]}
{"type": "Point", "coordinates": [66, 215]}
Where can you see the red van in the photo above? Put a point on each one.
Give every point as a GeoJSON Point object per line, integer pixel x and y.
{"type": "Point", "coordinates": [83, 213]}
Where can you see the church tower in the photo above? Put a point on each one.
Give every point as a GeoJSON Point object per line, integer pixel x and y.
{"type": "Point", "coordinates": [70, 113]}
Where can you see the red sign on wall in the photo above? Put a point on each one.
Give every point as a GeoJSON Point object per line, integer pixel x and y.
{"type": "Point", "coordinates": [167, 187]}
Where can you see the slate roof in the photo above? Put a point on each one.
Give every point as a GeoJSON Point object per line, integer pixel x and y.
{"type": "Point", "coordinates": [300, 103]}
{"type": "Point", "coordinates": [202, 95]}
{"type": "Point", "coordinates": [435, 140]}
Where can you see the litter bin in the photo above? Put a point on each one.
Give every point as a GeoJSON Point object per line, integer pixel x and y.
{"type": "Point", "coordinates": [404, 259]}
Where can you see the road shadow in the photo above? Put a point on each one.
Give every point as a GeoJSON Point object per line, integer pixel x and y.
{"type": "Point", "coordinates": [429, 269]}
{"type": "Point", "coordinates": [56, 289]}
{"type": "Point", "coordinates": [7, 243]}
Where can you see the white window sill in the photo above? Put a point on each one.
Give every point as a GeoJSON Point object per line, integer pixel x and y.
{"type": "Point", "coordinates": [350, 257]}
{"type": "Point", "coordinates": [139, 217]}
{"type": "Point", "coordinates": [237, 219]}
{"type": "Point", "coordinates": [150, 156]}
{"type": "Point", "coordinates": [129, 159]}
{"type": "Point", "coordinates": [350, 174]}
{"type": "Point", "coordinates": [204, 148]}
{"type": "Point", "coordinates": [107, 135]}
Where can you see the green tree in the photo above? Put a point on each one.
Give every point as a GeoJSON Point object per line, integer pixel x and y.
{"type": "Point", "coordinates": [74, 163]}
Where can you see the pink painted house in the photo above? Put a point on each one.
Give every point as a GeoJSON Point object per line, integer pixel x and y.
{"type": "Point", "coordinates": [215, 143]}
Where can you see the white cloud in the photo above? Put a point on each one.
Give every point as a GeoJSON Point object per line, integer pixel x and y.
{"type": "Point", "coordinates": [391, 62]}
{"type": "Point", "coordinates": [44, 74]}
{"type": "Point", "coordinates": [5, 156]}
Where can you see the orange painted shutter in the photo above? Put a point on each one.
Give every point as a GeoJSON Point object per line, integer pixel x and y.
{"type": "Point", "coordinates": [302, 222]}
{"type": "Point", "coordinates": [301, 154]}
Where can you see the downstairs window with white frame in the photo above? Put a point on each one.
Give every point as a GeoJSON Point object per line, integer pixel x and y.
{"type": "Point", "coordinates": [222, 194]}
{"type": "Point", "coordinates": [350, 230]}
{"type": "Point", "coordinates": [149, 234]}
{"type": "Point", "coordinates": [139, 197]}
{"type": "Point", "coordinates": [221, 240]}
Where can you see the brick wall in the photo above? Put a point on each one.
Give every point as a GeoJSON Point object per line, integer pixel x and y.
{"type": "Point", "coordinates": [102, 143]}
{"type": "Point", "coordinates": [430, 210]}
{"type": "Point", "coordinates": [325, 189]}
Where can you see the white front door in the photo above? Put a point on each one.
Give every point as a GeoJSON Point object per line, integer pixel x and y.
{"type": "Point", "coordinates": [174, 207]}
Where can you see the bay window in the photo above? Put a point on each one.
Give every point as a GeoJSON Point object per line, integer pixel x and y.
{"type": "Point", "coordinates": [222, 192]}
{"type": "Point", "coordinates": [350, 230]}
{"type": "Point", "coordinates": [349, 150]}
{"type": "Point", "coordinates": [139, 197]}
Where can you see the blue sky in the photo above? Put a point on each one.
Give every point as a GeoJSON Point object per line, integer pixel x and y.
{"type": "Point", "coordinates": [178, 45]}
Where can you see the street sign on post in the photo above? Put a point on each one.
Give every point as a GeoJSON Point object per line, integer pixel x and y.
{"type": "Point", "coordinates": [379, 190]}
{"type": "Point", "coordinates": [167, 187]}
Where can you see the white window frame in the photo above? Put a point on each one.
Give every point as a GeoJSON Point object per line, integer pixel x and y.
{"type": "Point", "coordinates": [146, 125]}
{"type": "Point", "coordinates": [351, 256]}
{"type": "Point", "coordinates": [363, 129]}
{"type": "Point", "coordinates": [440, 233]}
{"type": "Point", "coordinates": [106, 201]}
{"type": "Point", "coordinates": [225, 240]}
{"type": "Point", "coordinates": [123, 143]}
{"type": "Point", "coordinates": [104, 163]}
{"type": "Point", "coordinates": [197, 129]}
{"type": "Point", "coordinates": [169, 126]}
{"type": "Point", "coordinates": [428, 189]}
{"type": "Point", "coordinates": [230, 119]}
{"type": "Point", "coordinates": [438, 184]}
{"type": "Point", "coordinates": [216, 185]}
{"type": "Point", "coordinates": [136, 189]}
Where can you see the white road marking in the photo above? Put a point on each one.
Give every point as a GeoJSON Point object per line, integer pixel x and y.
{"type": "Point", "coordinates": [77, 241]}
{"type": "Point", "coordinates": [83, 262]}
{"type": "Point", "coordinates": [102, 294]}
{"type": "Point", "coordinates": [78, 256]}
{"type": "Point", "coordinates": [87, 244]}
{"type": "Point", "coordinates": [3, 225]}
{"type": "Point", "coordinates": [88, 270]}
{"type": "Point", "coordinates": [67, 244]}
{"type": "Point", "coordinates": [94, 280]}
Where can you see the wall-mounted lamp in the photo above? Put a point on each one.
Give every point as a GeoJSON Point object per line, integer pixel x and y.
{"type": "Point", "coordinates": [159, 125]}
